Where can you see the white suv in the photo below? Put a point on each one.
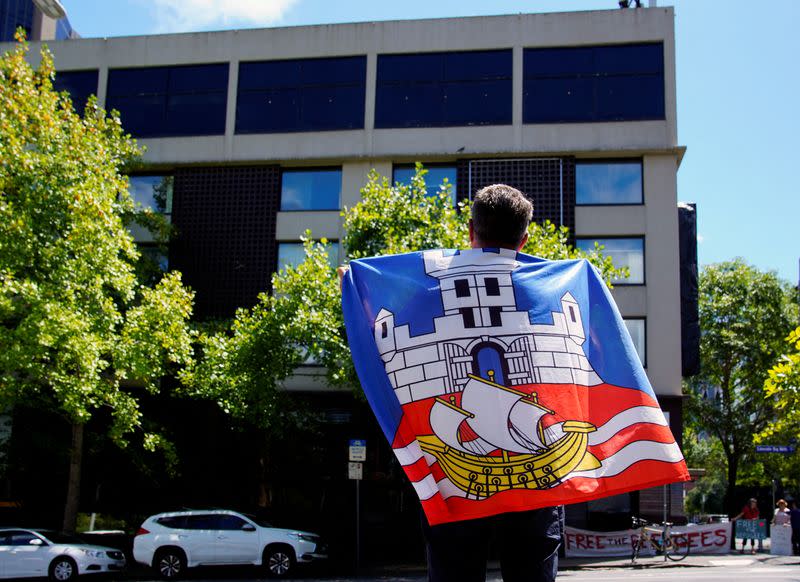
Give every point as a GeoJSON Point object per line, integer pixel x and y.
{"type": "Point", "coordinates": [172, 542]}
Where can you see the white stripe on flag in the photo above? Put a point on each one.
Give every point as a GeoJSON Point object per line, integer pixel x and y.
{"type": "Point", "coordinates": [626, 418]}
{"type": "Point", "coordinates": [630, 454]}
{"type": "Point", "coordinates": [409, 455]}
{"type": "Point", "coordinates": [426, 488]}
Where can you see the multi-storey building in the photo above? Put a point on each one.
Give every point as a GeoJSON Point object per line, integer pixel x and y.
{"type": "Point", "coordinates": [254, 136]}
{"type": "Point", "coordinates": [40, 19]}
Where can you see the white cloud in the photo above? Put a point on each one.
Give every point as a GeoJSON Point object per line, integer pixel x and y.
{"type": "Point", "coordinates": [700, 238]}
{"type": "Point", "coordinates": [195, 15]}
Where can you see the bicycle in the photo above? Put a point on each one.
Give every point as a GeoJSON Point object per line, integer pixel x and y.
{"type": "Point", "coordinates": [675, 547]}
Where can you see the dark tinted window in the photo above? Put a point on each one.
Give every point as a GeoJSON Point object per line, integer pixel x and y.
{"type": "Point", "coordinates": [208, 521]}
{"type": "Point", "coordinates": [301, 95]}
{"type": "Point", "coordinates": [13, 14]}
{"type": "Point", "coordinates": [444, 89]}
{"type": "Point", "coordinates": [79, 84]}
{"type": "Point", "coordinates": [311, 189]}
{"type": "Point", "coordinates": [608, 182]}
{"type": "Point", "coordinates": [230, 522]}
{"type": "Point", "coordinates": [21, 538]}
{"type": "Point", "coordinates": [174, 522]}
{"type": "Point", "coordinates": [600, 83]}
{"type": "Point", "coordinates": [170, 101]}
{"type": "Point", "coordinates": [462, 287]}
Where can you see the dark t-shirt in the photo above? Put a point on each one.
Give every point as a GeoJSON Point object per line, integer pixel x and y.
{"type": "Point", "coordinates": [794, 516]}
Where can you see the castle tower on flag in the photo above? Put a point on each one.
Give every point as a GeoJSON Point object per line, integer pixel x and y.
{"type": "Point", "coordinates": [482, 333]}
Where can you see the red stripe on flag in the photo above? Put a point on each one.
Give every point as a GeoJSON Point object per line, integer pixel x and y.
{"type": "Point", "coordinates": [636, 432]}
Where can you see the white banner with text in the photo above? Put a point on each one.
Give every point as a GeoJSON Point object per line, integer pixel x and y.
{"type": "Point", "coordinates": [713, 538]}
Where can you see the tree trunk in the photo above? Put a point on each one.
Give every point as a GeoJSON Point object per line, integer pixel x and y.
{"type": "Point", "coordinates": [730, 499]}
{"type": "Point", "coordinates": [74, 482]}
{"type": "Point", "coordinates": [264, 496]}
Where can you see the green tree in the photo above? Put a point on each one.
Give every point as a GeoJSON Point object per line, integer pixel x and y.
{"type": "Point", "coordinates": [78, 332]}
{"type": "Point", "coordinates": [782, 387]}
{"type": "Point", "coordinates": [744, 316]}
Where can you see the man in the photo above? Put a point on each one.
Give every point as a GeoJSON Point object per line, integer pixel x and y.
{"type": "Point", "coordinates": [794, 517]}
{"type": "Point", "coordinates": [527, 541]}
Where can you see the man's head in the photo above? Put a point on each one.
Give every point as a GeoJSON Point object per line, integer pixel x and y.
{"type": "Point", "coordinates": [500, 218]}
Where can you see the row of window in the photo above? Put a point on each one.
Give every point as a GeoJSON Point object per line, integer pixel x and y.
{"type": "Point", "coordinates": [320, 189]}
{"type": "Point", "coordinates": [575, 84]}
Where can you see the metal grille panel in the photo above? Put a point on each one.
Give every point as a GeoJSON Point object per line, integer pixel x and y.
{"type": "Point", "coordinates": [225, 234]}
{"type": "Point", "coordinates": [548, 182]}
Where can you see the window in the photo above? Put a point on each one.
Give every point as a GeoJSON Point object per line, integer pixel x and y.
{"type": "Point", "coordinates": [201, 521]}
{"type": "Point", "coordinates": [170, 101]}
{"type": "Point", "coordinates": [230, 522]}
{"type": "Point", "coordinates": [468, 315]}
{"type": "Point", "coordinates": [23, 538]}
{"type": "Point", "coordinates": [494, 316]}
{"type": "Point", "coordinates": [79, 84]}
{"type": "Point", "coordinates": [384, 330]}
{"type": "Point", "coordinates": [608, 182]}
{"type": "Point", "coordinates": [492, 286]}
{"type": "Point", "coordinates": [588, 84]}
{"type": "Point", "coordinates": [301, 95]}
{"type": "Point", "coordinates": [462, 287]}
{"type": "Point", "coordinates": [291, 254]}
{"type": "Point", "coordinates": [638, 329]}
{"type": "Point", "coordinates": [311, 189]}
{"type": "Point", "coordinates": [625, 252]}
{"type": "Point", "coordinates": [434, 178]}
{"type": "Point", "coordinates": [444, 89]}
{"type": "Point", "coordinates": [153, 192]}
{"type": "Point", "coordinates": [174, 522]}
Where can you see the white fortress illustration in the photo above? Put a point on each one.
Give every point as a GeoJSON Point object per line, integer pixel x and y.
{"type": "Point", "coordinates": [482, 333]}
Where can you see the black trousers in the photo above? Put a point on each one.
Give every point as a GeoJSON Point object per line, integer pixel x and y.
{"type": "Point", "coordinates": [527, 543]}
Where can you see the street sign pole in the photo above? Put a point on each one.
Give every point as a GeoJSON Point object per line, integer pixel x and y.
{"type": "Point", "coordinates": [358, 526]}
{"type": "Point", "coordinates": [357, 455]}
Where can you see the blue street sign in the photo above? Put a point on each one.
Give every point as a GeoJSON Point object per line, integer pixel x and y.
{"type": "Point", "coordinates": [785, 449]}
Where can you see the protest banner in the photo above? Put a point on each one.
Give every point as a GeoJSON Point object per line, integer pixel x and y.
{"type": "Point", "coordinates": [780, 537]}
{"type": "Point", "coordinates": [751, 529]}
{"type": "Point", "coordinates": [713, 538]}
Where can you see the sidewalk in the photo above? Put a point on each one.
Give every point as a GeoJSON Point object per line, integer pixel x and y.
{"type": "Point", "coordinates": [692, 561]}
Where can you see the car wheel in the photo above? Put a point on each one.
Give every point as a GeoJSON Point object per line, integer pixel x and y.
{"type": "Point", "coordinates": [63, 569]}
{"type": "Point", "coordinates": [279, 561]}
{"type": "Point", "coordinates": [170, 563]}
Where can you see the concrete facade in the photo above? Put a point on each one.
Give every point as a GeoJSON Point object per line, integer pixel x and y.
{"type": "Point", "coordinates": [358, 151]}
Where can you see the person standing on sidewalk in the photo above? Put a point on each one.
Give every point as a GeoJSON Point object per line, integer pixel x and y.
{"type": "Point", "coordinates": [749, 511]}
{"type": "Point", "coordinates": [528, 541]}
{"type": "Point", "coordinates": [794, 518]}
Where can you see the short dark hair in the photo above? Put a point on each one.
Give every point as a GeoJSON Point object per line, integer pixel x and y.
{"type": "Point", "coordinates": [500, 215]}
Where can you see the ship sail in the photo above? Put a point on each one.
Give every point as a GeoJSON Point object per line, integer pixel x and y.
{"type": "Point", "coordinates": [501, 417]}
{"type": "Point", "coordinates": [446, 420]}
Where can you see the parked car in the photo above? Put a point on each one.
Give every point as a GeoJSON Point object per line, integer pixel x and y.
{"type": "Point", "coordinates": [172, 542]}
{"type": "Point", "coordinates": [27, 553]}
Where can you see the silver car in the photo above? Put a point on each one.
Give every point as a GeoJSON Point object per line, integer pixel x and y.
{"type": "Point", "coordinates": [172, 542]}
{"type": "Point", "coordinates": [29, 553]}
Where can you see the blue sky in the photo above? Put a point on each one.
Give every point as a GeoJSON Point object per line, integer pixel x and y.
{"type": "Point", "coordinates": [737, 77]}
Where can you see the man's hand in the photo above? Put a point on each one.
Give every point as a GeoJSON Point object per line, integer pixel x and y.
{"type": "Point", "coordinates": [341, 271]}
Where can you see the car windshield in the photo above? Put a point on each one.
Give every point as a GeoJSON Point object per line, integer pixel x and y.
{"type": "Point", "coordinates": [58, 537]}
{"type": "Point", "coordinates": [258, 520]}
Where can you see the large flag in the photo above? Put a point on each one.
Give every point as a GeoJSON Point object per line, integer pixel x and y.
{"type": "Point", "coordinates": [504, 382]}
